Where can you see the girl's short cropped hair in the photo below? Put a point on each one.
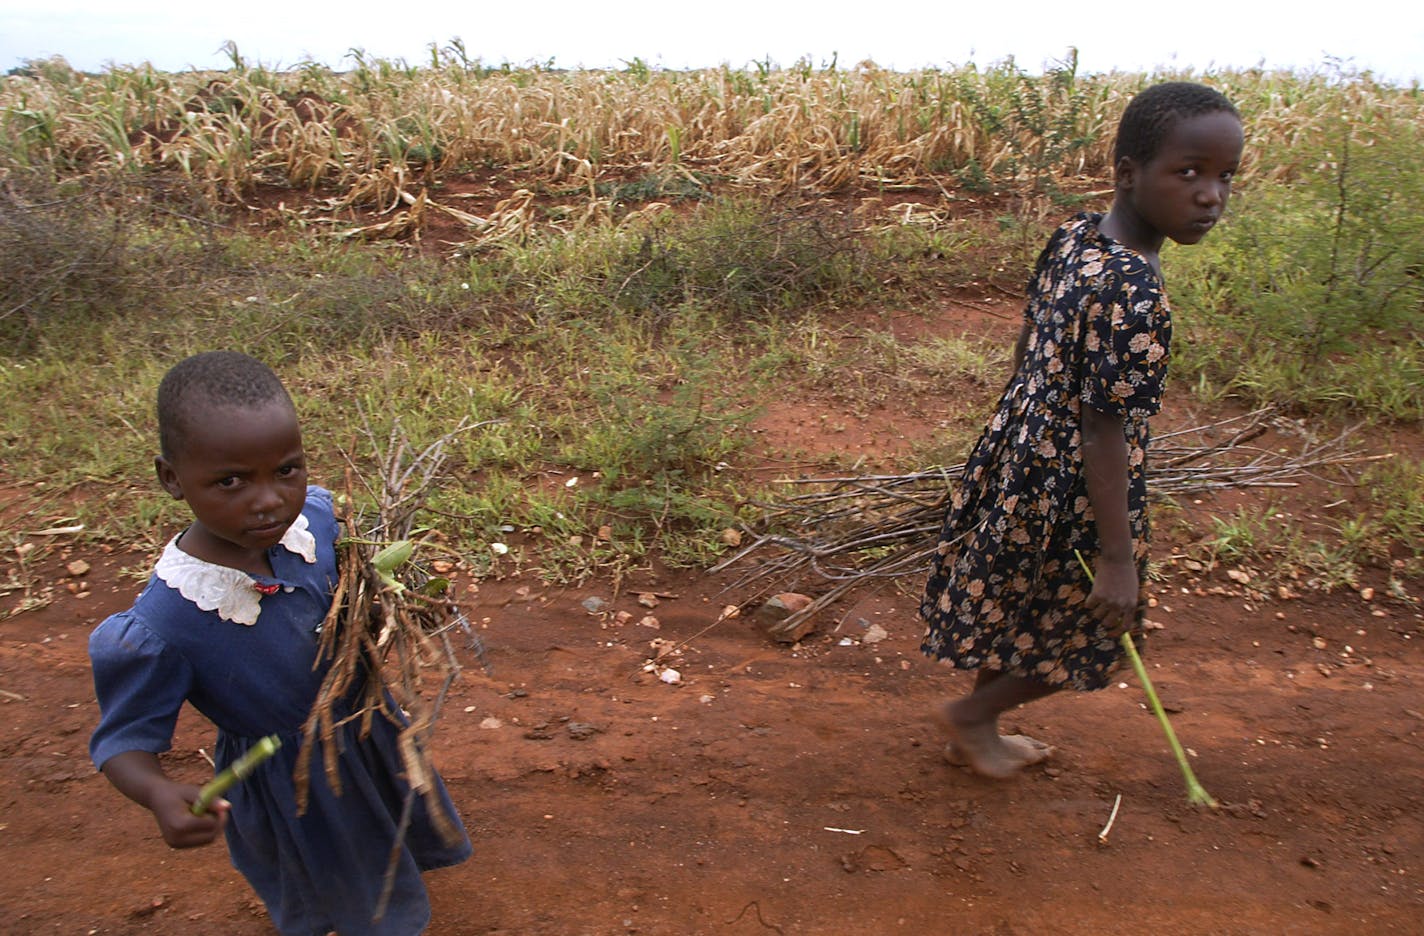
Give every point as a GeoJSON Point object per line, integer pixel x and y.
{"type": "Point", "coordinates": [212, 379]}
{"type": "Point", "coordinates": [1155, 110]}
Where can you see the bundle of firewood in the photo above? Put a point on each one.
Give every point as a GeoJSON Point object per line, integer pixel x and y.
{"type": "Point", "coordinates": [387, 638]}
{"type": "Point", "coordinates": [851, 531]}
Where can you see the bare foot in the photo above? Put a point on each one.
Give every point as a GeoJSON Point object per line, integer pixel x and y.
{"type": "Point", "coordinates": [1030, 750]}
{"type": "Point", "coordinates": [980, 747]}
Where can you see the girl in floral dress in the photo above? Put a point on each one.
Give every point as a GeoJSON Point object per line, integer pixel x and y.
{"type": "Point", "coordinates": [1060, 469]}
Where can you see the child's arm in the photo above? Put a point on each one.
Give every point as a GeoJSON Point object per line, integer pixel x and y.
{"type": "Point", "coordinates": [1021, 345]}
{"type": "Point", "coordinates": [1115, 585]}
{"type": "Point", "coordinates": [1020, 348]}
{"type": "Point", "coordinates": [138, 775]}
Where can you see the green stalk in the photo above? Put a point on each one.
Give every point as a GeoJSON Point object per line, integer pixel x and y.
{"type": "Point", "coordinates": [1196, 793]}
{"type": "Point", "coordinates": [237, 771]}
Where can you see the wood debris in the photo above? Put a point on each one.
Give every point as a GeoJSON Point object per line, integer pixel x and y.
{"type": "Point", "coordinates": [388, 633]}
{"type": "Point", "coordinates": [850, 531]}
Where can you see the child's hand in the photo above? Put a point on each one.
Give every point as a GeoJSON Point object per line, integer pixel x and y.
{"type": "Point", "coordinates": [1115, 595]}
{"type": "Point", "coordinates": [171, 804]}
{"type": "Point", "coordinates": [138, 775]}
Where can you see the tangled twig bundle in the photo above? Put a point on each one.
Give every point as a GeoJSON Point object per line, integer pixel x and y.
{"type": "Point", "coordinates": [387, 634]}
{"type": "Point", "coordinates": [854, 530]}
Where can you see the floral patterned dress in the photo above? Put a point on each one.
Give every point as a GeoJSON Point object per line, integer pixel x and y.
{"type": "Point", "coordinates": [1005, 590]}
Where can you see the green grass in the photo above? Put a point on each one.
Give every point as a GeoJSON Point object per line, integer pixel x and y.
{"type": "Point", "coordinates": [640, 408]}
{"type": "Point", "coordinates": [1275, 547]}
{"type": "Point", "coordinates": [983, 362]}
{"type": "Point", "coordinates": [1395, 489]}
{"type": "Point", "coordinates": [1310, 295]}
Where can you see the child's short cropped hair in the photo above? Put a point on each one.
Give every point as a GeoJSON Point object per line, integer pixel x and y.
{"type": "Point", "coordinates": [1153, 112]}
{"type": "Point", "coordinates": [213, 378]}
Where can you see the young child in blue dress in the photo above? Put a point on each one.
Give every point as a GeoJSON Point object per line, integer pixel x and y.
{"type": "Point", "coordinates": [228, 622]}
{"type": "Point", "coordinates": [1060, 469]}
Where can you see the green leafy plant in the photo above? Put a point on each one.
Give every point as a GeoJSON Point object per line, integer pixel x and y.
{"type": "Point", "coordinates": [1274, 307]}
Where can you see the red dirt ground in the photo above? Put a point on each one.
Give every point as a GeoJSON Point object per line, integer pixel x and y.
{"type": "Point", "coordinates": [799, 789]}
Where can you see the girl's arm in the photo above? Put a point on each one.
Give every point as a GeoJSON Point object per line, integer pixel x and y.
{"type": "Point", "coordinates": [138, 775]}
{"type": "Point", "coordinates": [1115, 585]}
{"type": "Point", "coordinates": [1020, 348]}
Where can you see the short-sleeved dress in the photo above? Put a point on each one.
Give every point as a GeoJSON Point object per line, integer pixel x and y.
{"type": "Point", "coordinates": [1006, 591]}
{"type": "Point", "coordinates": [240, 648]}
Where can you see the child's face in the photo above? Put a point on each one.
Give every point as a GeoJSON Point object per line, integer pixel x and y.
{"type": "Point", "coordinates": [243, 473]}
{"type": "Point", "coordinates": [1181, 191]}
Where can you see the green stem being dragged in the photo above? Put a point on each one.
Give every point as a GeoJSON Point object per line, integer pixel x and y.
{"type": "Point", "coordinates": [237, 771]}
{"type": "Point", "coordinates": [1196, 793]}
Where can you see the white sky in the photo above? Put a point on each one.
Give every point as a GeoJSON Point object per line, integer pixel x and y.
{"type": "Point", "coordinates": [1384, 36]}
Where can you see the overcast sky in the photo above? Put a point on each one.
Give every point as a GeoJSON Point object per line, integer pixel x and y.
{"type": "Point", "coordinates": [1384, 36]}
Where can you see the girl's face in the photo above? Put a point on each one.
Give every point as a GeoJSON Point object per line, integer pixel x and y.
{"type": "Point", "coordinates": [1182, 190]}
{"type": "Point", "coordinates": [243, 473]}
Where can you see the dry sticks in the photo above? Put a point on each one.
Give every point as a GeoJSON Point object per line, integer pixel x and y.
{"type": "Point", "coordinates": [853, 530]}
{"type": "Point", "coordinates": [387, 634]}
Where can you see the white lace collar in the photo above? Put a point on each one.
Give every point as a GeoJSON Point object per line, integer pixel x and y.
{"type": "Point", "coordinates": [232, 593]}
